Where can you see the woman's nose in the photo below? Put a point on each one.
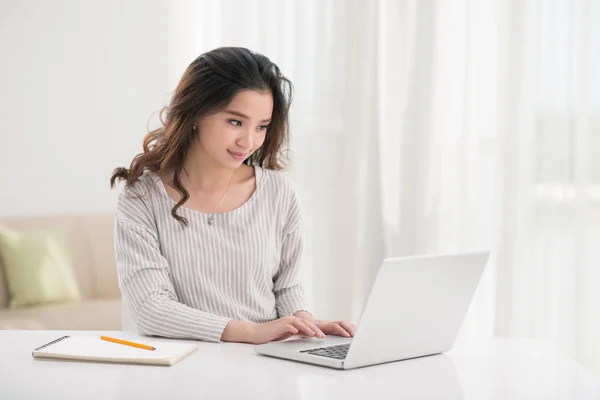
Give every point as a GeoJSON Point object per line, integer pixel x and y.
{"type": "Point", "coordinates": [246, 140]}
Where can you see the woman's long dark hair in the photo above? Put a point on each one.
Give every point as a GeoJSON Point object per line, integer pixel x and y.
{"type": "Point", "coordinates": [207, 86]}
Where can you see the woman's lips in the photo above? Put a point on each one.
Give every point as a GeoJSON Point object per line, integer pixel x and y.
{"type": "Point", "coordinates": [238, 156]}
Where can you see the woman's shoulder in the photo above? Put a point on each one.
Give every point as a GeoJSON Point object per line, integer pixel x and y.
{"type": "Point", "coordinates": [282, 188]}
{"type": "Point", "coordinates": [145, 188]}
{"type": "Point", "coordinates": [283, 191]}
{"type": "Point", "coordinates": [135, 202]}
{"type": "Point", "coordinates": [277, 182]}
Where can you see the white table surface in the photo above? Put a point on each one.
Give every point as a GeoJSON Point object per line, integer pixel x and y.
{"type": "Point", "coordinates": [502, 369]}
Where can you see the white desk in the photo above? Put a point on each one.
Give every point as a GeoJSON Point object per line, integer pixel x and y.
{"type": "Point", "coordinates": [504, 369]}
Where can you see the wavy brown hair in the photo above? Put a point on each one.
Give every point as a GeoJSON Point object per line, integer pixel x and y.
{"type": "Point", "coordinates": [207, 86]}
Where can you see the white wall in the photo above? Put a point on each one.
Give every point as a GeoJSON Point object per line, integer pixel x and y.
{"type": "Point", "coordinates": [79, 81]}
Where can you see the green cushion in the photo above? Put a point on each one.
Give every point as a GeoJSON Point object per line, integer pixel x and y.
{"type": "Point", "coordinates": [37, 267]}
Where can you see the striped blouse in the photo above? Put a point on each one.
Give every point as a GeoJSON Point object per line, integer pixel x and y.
{"type": "Point", "coordinates": [190, 282]}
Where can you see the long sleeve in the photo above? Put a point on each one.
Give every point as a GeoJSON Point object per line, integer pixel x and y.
{"type": "Point", "coordinates": [289, 294]}
{"type": "Point", "coordinates": [144, 281]}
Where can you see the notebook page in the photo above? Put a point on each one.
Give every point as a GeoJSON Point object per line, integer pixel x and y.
{"type": "Point", "coordinates": [96, 347]}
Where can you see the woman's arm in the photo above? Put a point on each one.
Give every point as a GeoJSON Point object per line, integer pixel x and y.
{"type": "Point", "coordinates": [289, 293]}
{"type": "Point", "coordinates": [144, 280]}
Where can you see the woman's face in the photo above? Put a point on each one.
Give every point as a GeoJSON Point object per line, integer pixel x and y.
{"type": "Point", "coordinates": [232, 135]}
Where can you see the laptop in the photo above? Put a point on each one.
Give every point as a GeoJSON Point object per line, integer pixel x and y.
{"type": "Point", "coordinates": [415, 308]}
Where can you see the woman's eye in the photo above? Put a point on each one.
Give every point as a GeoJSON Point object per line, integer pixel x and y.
{"type": "Point", "coordinates": [235, 122]}
{"type": "Point", "coordinates": [263, 127]}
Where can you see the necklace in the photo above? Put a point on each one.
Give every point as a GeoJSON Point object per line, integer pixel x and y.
{"type": "Point", "coordinates": [211, 218]}
{"type": "Point", "coordinates": [226, 190]}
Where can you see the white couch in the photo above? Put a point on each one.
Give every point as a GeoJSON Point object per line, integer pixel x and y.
{"type": "Point", "coordinates": [91, 247]}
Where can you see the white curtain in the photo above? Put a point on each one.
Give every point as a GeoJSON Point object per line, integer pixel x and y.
{"type": "Point", "coordinates": [424, 126]}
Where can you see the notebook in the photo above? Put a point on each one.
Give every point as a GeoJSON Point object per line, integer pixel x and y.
{"type": "Point", "coordinates": [92, 348]}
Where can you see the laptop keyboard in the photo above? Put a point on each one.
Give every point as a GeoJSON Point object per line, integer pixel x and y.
{"type": "Point", "coordinates": [338, 351]}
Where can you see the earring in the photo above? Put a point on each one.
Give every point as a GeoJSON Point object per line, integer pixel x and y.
{"type": "Point", "coordinates": [194, 127]}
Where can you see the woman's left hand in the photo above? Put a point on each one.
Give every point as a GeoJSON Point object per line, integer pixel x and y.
{"type": "Point", "coordinates": [322, 328]}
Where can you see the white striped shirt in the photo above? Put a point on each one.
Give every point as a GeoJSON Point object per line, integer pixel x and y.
{"type": "Point", "coordinates": [190, 282]}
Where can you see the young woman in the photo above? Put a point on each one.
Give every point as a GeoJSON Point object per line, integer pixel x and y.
{"type": "Point", "coordinates": [208, 230]}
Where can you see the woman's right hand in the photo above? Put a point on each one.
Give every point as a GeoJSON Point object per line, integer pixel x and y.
{"type": "Point", "coordinates": [282, 328]}
{"type": "Point", "coordinates": [278, 329]}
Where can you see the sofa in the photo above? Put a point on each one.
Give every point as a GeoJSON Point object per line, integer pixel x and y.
{"type": "Point", "coordinates": [91, 251]}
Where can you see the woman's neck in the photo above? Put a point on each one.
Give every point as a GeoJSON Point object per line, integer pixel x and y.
{"type": "Point", "coordinates": [200, 172]}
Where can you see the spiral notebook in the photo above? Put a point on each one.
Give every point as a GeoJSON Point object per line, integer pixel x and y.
{"type": "Point", "coordinates": [90, 348]}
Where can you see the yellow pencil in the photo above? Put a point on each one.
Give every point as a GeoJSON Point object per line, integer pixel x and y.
{"type": "Point", "coordinates": [127, 343]}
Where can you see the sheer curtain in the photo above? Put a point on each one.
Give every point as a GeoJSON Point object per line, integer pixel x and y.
{"type": "Point", "coordinates": [438, 126]}
{"type": "Point", "coordinates": [549, 254]}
